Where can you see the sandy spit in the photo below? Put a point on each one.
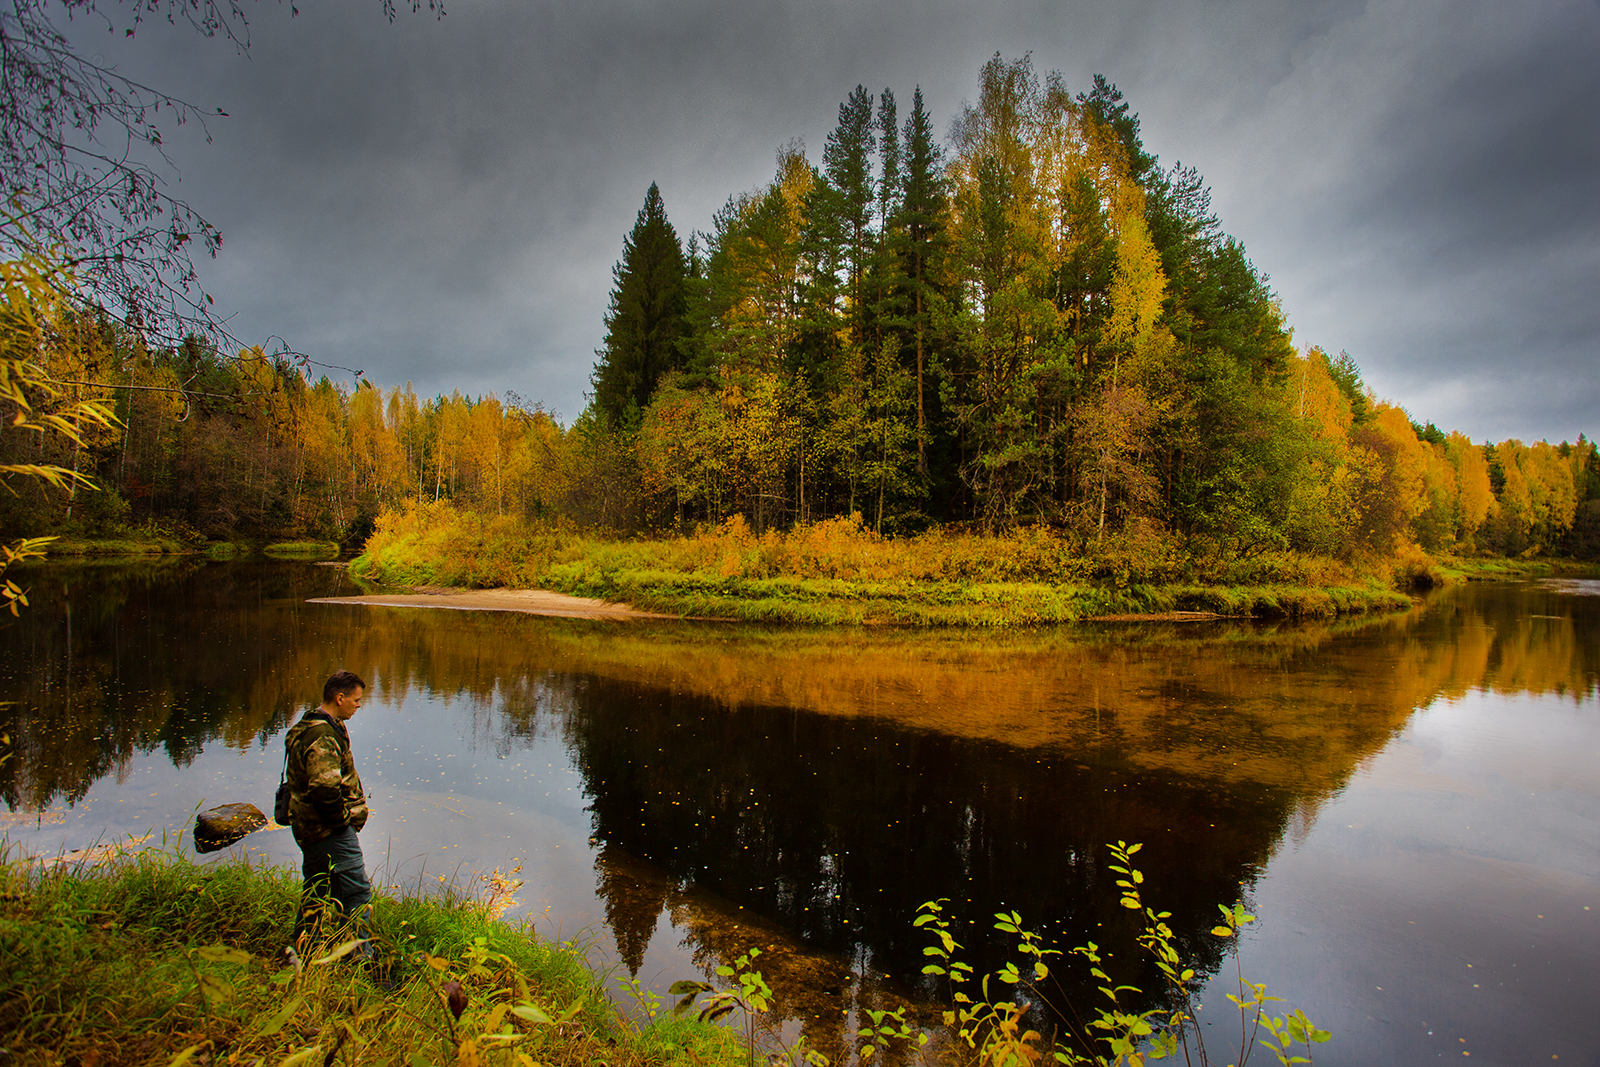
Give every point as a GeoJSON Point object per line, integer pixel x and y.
{"type": "Point", "coordinates": [527, 601]}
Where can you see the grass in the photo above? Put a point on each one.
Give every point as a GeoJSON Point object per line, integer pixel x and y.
{"type": "Point", "coordinates": [137, 543]}
{"type": "Point", "coordinates": [836, 572]}
{"type": "Point", "coordinates": [156, 542]}
{"type": "Point", "coordinates": [1501, 568]}
{"type": "Point", "coordinates": [153, 958]}
{"type": "Point", "coordinates": [301, 549]}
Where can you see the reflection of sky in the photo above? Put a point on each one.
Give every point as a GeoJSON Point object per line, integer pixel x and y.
{"type": "Point", "coordinates": [452, 794]}
{"type": "Point", "coordinates": [1451, 892]}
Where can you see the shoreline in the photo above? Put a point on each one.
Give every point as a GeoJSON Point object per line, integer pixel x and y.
{"type": "Point", "coordinates": [551, 604]}
{"type": "Point", "coordinates": [523, 601]}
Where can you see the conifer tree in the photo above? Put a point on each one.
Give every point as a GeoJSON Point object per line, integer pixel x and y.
{"type": "Point", "coordinates": [847, 158]}
{"type": "Point", "coordinates": [922, 215]}
{"type": "Point", "coordinates": [647, 323]}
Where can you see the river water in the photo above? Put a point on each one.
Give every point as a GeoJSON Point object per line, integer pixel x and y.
{"type": "Point", "coordinates": [1410, 805]}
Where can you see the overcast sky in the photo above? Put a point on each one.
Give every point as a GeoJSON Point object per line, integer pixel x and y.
{"type": "Point", "coordinates": [442, 201]}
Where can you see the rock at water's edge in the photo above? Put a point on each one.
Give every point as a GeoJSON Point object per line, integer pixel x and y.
{"type": "Point", "coordinates": [219, 827]}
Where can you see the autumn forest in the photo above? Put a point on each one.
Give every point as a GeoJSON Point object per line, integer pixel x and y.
{"type": "Point", "coordinates": [1028, 324]}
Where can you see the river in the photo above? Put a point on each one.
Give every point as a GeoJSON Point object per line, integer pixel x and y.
{"type": "Point", "coordinates": [1409, 804]}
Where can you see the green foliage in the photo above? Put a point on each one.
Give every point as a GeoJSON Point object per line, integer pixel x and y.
{"type": "Point", "coordinates": [301, 549]}
{"type": "Point", "coordinates": [647, 323]}
{"type": "Point", "coordinates": [752, 997]}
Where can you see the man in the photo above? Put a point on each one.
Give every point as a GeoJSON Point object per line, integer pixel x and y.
{"type": "Point", "coordinates": [327, 808]}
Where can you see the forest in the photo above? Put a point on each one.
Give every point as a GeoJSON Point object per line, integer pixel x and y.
{"type": "Point", "coordinates": [1028, 325]}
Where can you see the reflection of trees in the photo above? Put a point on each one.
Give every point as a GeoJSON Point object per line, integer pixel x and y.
{"type": "Point", "coordinates": [835, 829]}
{"type": "Point", "coordinates": [807, 788]}
{"type": "Point", "coordinates": [112, 662]}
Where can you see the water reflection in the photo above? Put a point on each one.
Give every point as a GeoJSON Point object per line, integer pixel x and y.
{"type": "Point", "coordinates": [804, 790]}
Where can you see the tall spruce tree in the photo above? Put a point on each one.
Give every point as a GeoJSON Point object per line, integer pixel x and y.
{"type": "Point", "coordinates": [922, 215]}
{"type": "Point", "coordinates": [647, 324]}
{"type": "Point", "coordinates": [847, 158]}
{"type": "Point", "coordinates": [889, 291]}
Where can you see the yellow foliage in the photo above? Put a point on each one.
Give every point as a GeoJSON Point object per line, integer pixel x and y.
{"type": "Point", "coordinates": [1390, 464]}
{"type": "Point", "coordinates": [1137, 288]}
{"type": "Point", "coordinates": [34, 322]}
{"type": "Point", "coordinates": [1472, 484]}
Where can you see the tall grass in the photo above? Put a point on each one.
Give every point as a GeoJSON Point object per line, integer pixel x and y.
{"type": "Point", "coordinates": [152, 958]}
{"type": "Point", "coordinates": [838, 571]}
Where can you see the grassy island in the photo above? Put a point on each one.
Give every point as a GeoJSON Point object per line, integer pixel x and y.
{"type": "Point", "coordinates": [836, 571]}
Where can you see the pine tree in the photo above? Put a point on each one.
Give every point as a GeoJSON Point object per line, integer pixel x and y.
{"type": "Point", "coordinates": [647, 323]}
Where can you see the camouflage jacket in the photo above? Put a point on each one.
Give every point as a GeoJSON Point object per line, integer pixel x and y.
{"type": "Point", "coordinates": [325, 793]}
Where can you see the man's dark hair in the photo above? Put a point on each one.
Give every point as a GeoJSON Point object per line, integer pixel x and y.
{"type": "Point", "coordinates": [341, 683]}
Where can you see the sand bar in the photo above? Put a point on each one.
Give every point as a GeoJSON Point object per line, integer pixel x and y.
{"type": "Point", "coordinates": [526, 601]}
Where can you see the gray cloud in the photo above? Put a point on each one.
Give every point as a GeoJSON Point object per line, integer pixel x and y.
{"type": "Point", "coordinates": [442, 201]}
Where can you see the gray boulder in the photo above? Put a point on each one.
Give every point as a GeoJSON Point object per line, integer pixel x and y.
{"type": "Point", "coordinates": [219, 827]}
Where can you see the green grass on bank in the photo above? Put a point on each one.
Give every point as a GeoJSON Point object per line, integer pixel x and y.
{"type": "Point", "coordinates": [301, 549]}
{"type": "Point", "coordinates": [833, 601]}
{"type": "Point", "coordinates": [146, 543]}
{"type": "Point", "coordinates": [131, 544]}
{"type": "Point", "coordinates": [1500, 568]}
{"type": "Point", "coordinates": [837, 572]}
{"type": "Point", "coordinates": [152, 958]}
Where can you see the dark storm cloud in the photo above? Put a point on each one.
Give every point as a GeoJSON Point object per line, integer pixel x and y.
{"type": "Point", "coordinates": [1420, 181]}
{"type": "Point", "coordinates": [442, 201]}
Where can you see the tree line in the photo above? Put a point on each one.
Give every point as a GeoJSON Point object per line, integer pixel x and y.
{"type": "Point", "coordinates": [1033, 322]}
{"type": "Point", "coordinates": [1029, 323]}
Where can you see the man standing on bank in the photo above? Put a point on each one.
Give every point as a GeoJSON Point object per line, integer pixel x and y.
{"type": "Point", "coordinates": [327, 808]}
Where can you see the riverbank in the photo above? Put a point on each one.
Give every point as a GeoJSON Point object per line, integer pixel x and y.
{"type": "Point", "coordinates": [153, 958]}
{"type": "Point", "coordinates": [668, 596]}
{"type": "Point", "coordinates": [837, 572]}
{"type": "Point", "coordinates": [522, 601]}
{"type": "Point", "coordinates": [1501, 569]}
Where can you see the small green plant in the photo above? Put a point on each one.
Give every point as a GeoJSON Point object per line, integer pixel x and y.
{"type": "Point", "coordinates": [884, 1028]}
{"type": "Point", "coordinates": [752, 996]}
{"type": "Point", "coordinates": [994, 1029]}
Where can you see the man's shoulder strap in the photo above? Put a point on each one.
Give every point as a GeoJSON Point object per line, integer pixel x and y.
{"type": "Point", "coordinates": [313, 719]}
